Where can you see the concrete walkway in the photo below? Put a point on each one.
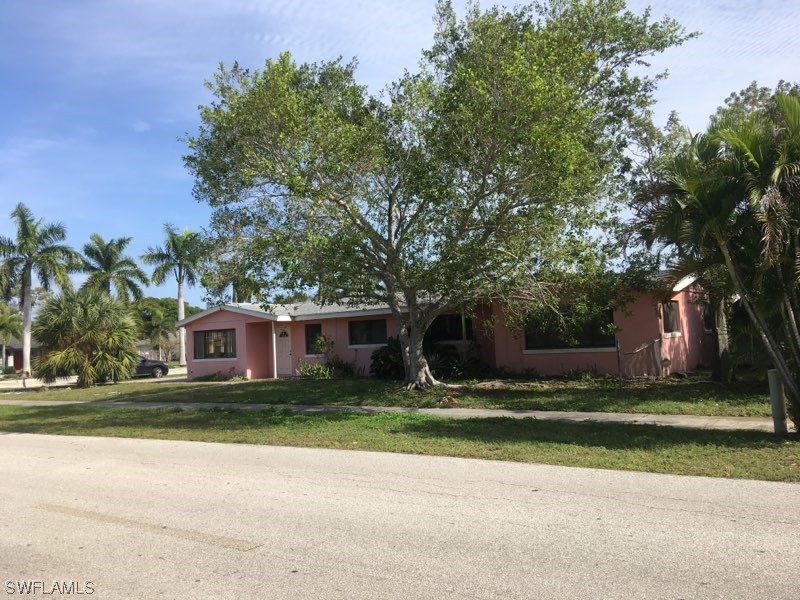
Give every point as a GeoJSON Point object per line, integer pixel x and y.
{"type": "Point", "coordinates": [684, 421]}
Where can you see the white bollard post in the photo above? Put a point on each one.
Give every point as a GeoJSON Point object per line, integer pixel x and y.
{"type": "Point", "coordinates": [778, 402]}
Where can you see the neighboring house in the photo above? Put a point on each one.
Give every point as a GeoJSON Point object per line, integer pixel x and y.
{"type": "Point", "coordinates": [654, 337]}
{"type": "Point", "coordinates": [14, 352]}
{"type": "Point", "coordinates": [169, 348]}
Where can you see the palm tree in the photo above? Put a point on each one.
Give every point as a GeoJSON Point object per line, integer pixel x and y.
{"type": "Point", "coordinates": [731, 199]}
{"type": "Point", "coordinates": [181, 255]}
{"type": "Point", "coordinates": [37, 250]}
{"type": "Point", "coordinates": [768, 149]}
{"type": "Point", "coordinates": [159, 327]}
{"type": "Point", "coordinates": [86, 332]}
{"type": "Point", "coordinates": [687, 228]}
{"type": "Point", "coordinates": [10, 326]}
{"type": "Point", "coordinates": [107, 268]}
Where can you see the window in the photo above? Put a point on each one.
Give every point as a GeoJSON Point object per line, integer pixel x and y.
{"type": "Point", "coordinates": [449, 328]}
{"type": "Point", "coordinates": [671, 321]}
{"type": "Point", "coordinates": [592, 334]}
{"type": "Point", "coordinates": [367, 332]}
{"type": "Point", "coordinates": [313, 331]}
{"type": "Point", "coordinates": [215, 344]}
{"type": "Point", "coordinates": [708, 317]}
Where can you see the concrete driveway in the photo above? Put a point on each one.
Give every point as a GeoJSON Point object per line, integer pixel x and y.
{"type": "Point", "coordinates": [150, 518]}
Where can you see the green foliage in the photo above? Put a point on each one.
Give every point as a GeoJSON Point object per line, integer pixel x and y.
{"type": "Point", "coordinates": [179, 256]}
{"type": "Point", "coordinates": [729, 206]}
{"type": "Point", "coordinates": [168, 307]}
{"type": "Point", "coordinates": [10, 324]}
{"type": "Point", "coordinates": [108, 268]}
{"type": "Point", "coordinates": [37, 250]}
{"type": "Point", "coordinates": [88, 334]}
{"type": "Point", "coordinates": [333, 365]}
{"type": "Point", "coordinates": [314, 370]}
{"type": "Point", "coordinates": [465, 181]}
{"type": "Point", "coordinates": [230, 375]}
{"type": "Point", "coordinates": [444, 360]}
{"type": "Point", "coordinates": [386, 362]}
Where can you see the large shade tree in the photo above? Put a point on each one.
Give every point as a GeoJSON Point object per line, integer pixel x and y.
{"type": "Point", "coordinates": [108, 268]}
{"type": "Point", "coordinates": [180, 256]}
{"type": "Point", "coordinates": [464, 182]}
{"type": "Point", "coordinates": [37, 251]}
{"type": "Point", "coordinates": [87, 333]}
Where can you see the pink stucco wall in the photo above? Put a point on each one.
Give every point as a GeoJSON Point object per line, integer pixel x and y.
{"type": "Point", "coordinates": [694, 346]}
{"type": "Point", "coordinates": [254, 344]}
{"type": "Point", "coordinates": [209, 366]}
{"type": "Point", "coordinates": [338, 331]}
{"type": "Point", "coordinates": [643, 344]}
{"type": "Point", "coordinates": [510, 354]}
{"type": "Point", "coordinates": [259, 350]}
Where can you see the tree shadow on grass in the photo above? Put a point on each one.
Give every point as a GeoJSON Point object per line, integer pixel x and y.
{"type": "Point", "coordinates": [133, 422]}
{"type": "Point", "coordinates": [612, 436]}
{"type": "Point", "coordinates": [600, 395]}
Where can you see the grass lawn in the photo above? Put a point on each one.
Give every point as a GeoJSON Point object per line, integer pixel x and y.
{"type": "Point", "coordinates": [750, 455]}
{"type": "Point", "coordinates": [692, 396]}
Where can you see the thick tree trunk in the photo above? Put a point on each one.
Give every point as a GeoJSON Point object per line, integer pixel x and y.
{"type": "Point", "coordinates": [181, 330]}
{"type": "Point", "coordinates": [418, 373]}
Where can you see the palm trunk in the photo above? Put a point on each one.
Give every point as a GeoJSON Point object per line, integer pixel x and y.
{"type": "Point", "coordinates": [181, 330]}
{"type": "Point", "coordinates": [770, 344]}
{"type": "Point", "coordinates": [26, 323]}
{"type": "Point", "coordinates": [722, 364]}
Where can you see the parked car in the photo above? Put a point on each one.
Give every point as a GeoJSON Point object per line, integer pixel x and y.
{"type": "Point", "coordinates": [151, 368]}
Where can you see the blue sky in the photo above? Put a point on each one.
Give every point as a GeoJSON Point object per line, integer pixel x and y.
{"type": "Point", "coordinates": [96, 94]}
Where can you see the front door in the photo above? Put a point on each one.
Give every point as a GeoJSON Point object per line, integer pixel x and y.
{"type": "Point", "coordinates": [283, 350]}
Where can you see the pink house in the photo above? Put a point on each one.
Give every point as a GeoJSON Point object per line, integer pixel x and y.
{"type": "Point", "coordinates": [653, 337]}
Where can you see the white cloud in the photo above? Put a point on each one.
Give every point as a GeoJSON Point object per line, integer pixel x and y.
{"type": "Point", "coordinates": [141, 126]}
{"type": "Point", "coordinates": [17, 151]}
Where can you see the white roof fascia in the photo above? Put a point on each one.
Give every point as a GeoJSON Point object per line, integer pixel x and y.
{"type": "Point", "coordinates": [683, 283]}
{"type": "Point", "coordinates": [354, 313]}
{"type": "Point", "coordinates": [266, 316]}
{"type": "Point", "coordinates": [234, 309]}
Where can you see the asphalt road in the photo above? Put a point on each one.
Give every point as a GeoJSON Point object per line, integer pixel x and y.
{"type": "Point", "coordinates": [161, 519]}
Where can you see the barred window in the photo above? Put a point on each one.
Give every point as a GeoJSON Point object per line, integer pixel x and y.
{"type": "Point", "coordinates": [671, 320]}
{"type": "Point", "coordinates": [219, 343]}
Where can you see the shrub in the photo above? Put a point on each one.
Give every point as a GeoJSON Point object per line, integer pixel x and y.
{"type": "Point", "coordinates": [9, 371]}
{"type": "Point", "coordinates": [387, 361]}
{"type": "Point", "coordinates": [444, 361]}
{"type": "Point", "coordinates": [309, 370]}
{"type": "Point", "coordinates": [231, 375]}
